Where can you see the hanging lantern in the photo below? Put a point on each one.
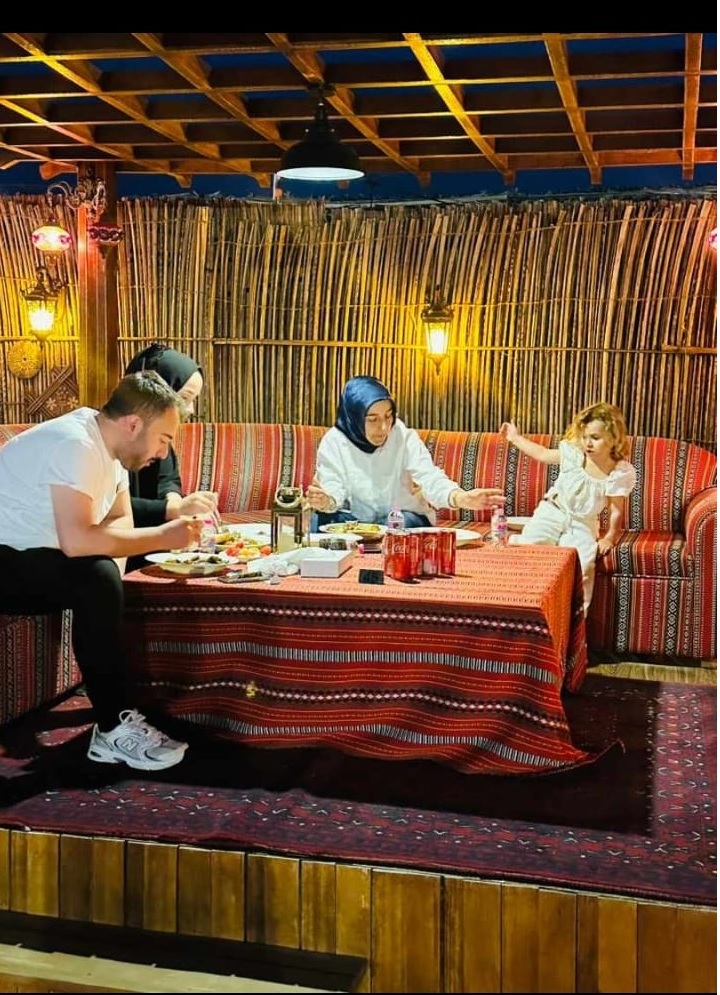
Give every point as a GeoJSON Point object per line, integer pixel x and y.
{"type": "Point", "coordinates": [436, 317]}
{"type": "Point", "coordinates": [41, 300]}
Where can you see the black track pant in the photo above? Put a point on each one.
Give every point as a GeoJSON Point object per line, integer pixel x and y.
{"type": "Point", "coordinates": [40, 581]}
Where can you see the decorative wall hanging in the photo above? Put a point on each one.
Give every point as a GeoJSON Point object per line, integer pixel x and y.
{"type": "Point", "coordinates": [60, 395]}
{"type": "Point", "coordinates": [105, 235]}
{"type": "Point", "coordinates": [25, 359]}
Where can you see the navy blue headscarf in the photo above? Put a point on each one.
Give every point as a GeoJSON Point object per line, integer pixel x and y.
{"type": "Point", "coordinates": [174, 367]}
{"type": "Point", "coordinates": [359, 394]}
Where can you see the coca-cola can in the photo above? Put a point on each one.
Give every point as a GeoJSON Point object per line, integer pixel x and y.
{"type": "Point", "coordinates": [396, 555]}
{"type": "Point", "coordinates": [430, 552]}
{"type": "Point", "coordinates": [416, 553]}
{"type": "Point", "coordinates": [447, 552]}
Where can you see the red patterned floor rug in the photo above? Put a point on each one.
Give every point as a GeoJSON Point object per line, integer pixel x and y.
{"type": "Point", "coordinates": [640, 822]}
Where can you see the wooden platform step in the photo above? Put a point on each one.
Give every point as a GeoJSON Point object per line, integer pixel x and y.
{"type": "Point", "coordinates": [41, 954]}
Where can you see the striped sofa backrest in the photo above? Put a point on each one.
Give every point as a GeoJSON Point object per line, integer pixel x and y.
{"type": "Point", "coordinates": [670, 474]}
{"type": "Point", "coordinates": [246, 462]}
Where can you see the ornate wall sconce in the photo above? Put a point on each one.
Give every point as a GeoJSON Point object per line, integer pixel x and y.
{"type": "Point", "coordinates": [436, 318]}
{"type": "Point", "coordinates": [41, 300]}
{"type": "Point", "coordinates": [51, 239]}
{"type": "Point", "coordinates": [25, 358]}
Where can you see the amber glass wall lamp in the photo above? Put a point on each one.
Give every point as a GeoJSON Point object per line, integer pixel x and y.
{"type": "Point", "coordinates": [41, 300]}
{"type": "Point", "coordinates": [436, 317]}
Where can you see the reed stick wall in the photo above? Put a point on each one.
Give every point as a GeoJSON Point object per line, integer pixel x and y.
{"type": "Point", "coordinates": [558, 303]}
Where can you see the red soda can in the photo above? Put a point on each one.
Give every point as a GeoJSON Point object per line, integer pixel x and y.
{"type": "Point", "coordinates": [430, 552]}
{"type": "Point", "coordinates": [416, 553]}
{"type": "Point", "coordinates": [447, 552]}
{"type": "Point", "coordinates": [396, 555]}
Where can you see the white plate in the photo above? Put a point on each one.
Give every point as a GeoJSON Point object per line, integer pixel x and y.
{"type": "Point", "coordinates": [516, 523]}
{"type": "Point", "coordinates": [192, 564]}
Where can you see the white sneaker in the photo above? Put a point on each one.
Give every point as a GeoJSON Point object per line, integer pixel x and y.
{"type": "Point", "coordinates": [136, 743]}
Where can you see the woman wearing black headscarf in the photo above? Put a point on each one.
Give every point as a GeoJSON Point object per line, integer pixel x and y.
{"type": "Point", "coordinates": [155, 491]}
{"type": "Point", "coordinates": [371, 462]}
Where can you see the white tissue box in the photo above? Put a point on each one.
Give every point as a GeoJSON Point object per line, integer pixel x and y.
{"type": "Point", "coordinates": [318, 562]}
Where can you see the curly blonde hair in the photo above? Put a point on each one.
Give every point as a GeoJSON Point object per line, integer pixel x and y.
{"type": "Point", "coordinates": [613, 420]}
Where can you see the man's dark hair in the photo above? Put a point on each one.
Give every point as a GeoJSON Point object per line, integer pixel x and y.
{"type": "Point", "coordinates": [145, 394]}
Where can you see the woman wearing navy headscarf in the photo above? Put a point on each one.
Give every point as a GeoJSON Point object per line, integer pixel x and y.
{"type": "Point", "coordinates": [155, 491]}
{"type": "Point", "coordinates": [371, 462]}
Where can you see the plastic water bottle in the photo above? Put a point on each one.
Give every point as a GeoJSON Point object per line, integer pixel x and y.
{"type": "Point", "coordinates": [499, 526]}
{"type": "Point", "coordinates": [395, 520]}
{"type": "Point", "coordinates": [207, 536]}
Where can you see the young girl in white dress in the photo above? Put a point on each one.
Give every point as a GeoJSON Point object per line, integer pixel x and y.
{"type": "Point", "coordinates": [594, 475]}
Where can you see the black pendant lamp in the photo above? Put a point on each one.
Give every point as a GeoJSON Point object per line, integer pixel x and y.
{"type": "Point", "coordinates": [320, 155]}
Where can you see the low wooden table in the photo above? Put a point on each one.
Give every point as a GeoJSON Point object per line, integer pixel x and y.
{"type": "Point", "coordinates": [467, 670]}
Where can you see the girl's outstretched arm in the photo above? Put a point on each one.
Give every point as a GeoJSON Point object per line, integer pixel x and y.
{"type": "Point", "coordinates": [532, 449]}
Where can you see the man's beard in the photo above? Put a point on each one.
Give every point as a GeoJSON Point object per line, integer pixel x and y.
{"type": "Point", "coordinates": [134, 463]}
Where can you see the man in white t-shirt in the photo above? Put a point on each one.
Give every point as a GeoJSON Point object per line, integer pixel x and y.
{"type": "Point", "coordinates": [66, 529]}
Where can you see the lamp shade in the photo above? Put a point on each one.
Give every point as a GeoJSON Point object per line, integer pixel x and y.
{"type": "Point", "coordinates": [51, 239]}
{"type": "Point", "coordinates": [320, 155]}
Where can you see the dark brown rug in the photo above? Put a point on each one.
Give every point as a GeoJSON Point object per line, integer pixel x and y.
{"type": "Point", "coordinates": [641, 821]}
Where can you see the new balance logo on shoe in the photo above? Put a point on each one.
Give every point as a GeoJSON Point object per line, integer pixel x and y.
{"type": "Point", "coordinates": [136, 743]}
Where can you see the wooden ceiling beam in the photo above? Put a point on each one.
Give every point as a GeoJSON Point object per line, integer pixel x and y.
{"type": "Point", "coordinates": [192, 69]}
{"type": "Point", "coordinates": [88, 78]}
{"type": "Point", "coordinates": [453, 100]}
{"type": "Point", "coordinates": [693, 60]}
{"type": "Point", "coordinates": [557, 53]}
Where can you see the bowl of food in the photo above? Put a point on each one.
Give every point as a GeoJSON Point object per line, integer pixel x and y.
{"type": "Point", "coordinates": [192, 563]}
{"type": "Point", "coordinates": [362, 531]}
{"type": "Point", "coordinates": [242, 544]}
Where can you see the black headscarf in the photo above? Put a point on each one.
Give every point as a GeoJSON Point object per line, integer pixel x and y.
{"type": "Point", "coordinates": [359, 394]}
{"type": "Point", "coordinates": [174, 367]}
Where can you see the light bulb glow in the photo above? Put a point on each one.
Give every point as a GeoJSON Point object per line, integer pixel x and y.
{"type": "Point", "coordinates": [41, 315]}
{"type": "Point", "coordinates": [437, 340]}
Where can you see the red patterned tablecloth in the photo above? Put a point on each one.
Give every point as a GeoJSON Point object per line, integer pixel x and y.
{"type": "Point", "coordinates": [468, 670]}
